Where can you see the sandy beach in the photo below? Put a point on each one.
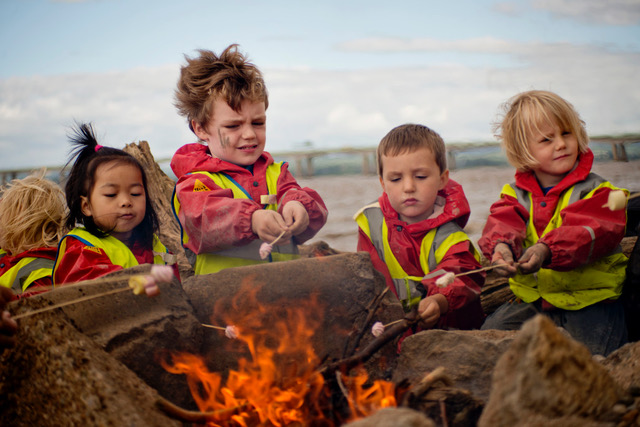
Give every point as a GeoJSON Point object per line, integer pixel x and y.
{"type": "Point", "coordinates": [345, 194]}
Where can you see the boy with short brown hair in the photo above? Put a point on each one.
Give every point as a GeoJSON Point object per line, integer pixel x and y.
{"type": "Point", "coordinates": [414, 232]}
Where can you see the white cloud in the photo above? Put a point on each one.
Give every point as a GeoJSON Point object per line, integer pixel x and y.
{"type": "Point", "coordinates": [398, 44]}
{"type": "Point", "coordinates": [329, 108]}
{"type": "Point", "coordinates": [610, 12]}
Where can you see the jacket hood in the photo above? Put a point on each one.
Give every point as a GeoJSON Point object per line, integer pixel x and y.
{"type": "Point", "coordinates": [196, 157]}
{"type": "Point", "coordinates": [456, 208]}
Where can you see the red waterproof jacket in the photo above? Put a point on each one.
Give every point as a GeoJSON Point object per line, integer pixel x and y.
{"type": "Point", "coordinates": [589, 231]}
{"type": "Point", "coordinates": [463, 295]}
{"type": "Point", "coordinates": [44, 257]}
{"type": "Point", "coordinates": [82, 262]}
{"type": "Point", "coordinates": [213, 219]}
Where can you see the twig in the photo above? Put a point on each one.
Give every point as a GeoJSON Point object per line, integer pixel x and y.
{"type": "Point", "coordinates": [185, 415]}
{"type": "Point", "coordinates": [443, 413]}
{"type": "Point", "coordinates": [373, 346]}
{"type": "Point", "coordinates": [372, 310]}
{"type": "Point", "coordinates": [74, 301]}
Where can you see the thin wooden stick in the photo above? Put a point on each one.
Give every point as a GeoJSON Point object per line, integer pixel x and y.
{"type": "Point", "coordinates": [491, 267]}
{"type": "Point", "coordinates": [633, 196]}
{"type": "Point", "coordinates": [74, 301]}
{"type": "Point", "coordinates": [393, 323]}
{"type": "Point", "coordinates": [213, 326]}
{"type": "Point", "coordinates": [277, 238]}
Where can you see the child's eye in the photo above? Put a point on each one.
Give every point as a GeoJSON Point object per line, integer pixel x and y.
{"type": "Point", "coordinates": [421, 177]}
{"type": "Point", "coordinates": [259, 123]}
{"type": "Point", "coordinates": [136, 194]}
{"type": "Point", "coordinates": [231, 126]}
{"type": "Point", "coordinates": [109, 195]}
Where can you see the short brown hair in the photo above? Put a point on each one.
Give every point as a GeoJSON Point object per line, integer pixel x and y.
{"type": "Point", "coordinates": [209, 77]}
{"type": "Point", "coordinates": [409, 138]}
{"type": "Point", "coordinates": [525, 113]}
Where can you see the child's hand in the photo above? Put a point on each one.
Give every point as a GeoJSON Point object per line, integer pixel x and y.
{"type": "Point", "coordinates": [431, 308]}
{"type": "Point", "coordinates": [502, 255]}
{"type": "Point", "coordinates": [268, 225]}
{"type": "Point", "coordinates": [8, 326]}
{"type": "Point", "coordinates": [295, 217]}
{"type": "Point", "coordinates": [533, 258]}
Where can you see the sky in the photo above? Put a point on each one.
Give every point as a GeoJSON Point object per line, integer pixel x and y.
{"type": "Point", "coordinates": [339, 73]}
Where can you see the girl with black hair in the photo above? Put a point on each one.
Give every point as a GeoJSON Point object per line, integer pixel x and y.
{"type": "Point", "coordinates": [110, 213]}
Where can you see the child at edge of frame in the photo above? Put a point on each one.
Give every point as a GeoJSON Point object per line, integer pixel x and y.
{"type": "Point", "coordinates": [414, 232]}
{"type": "Point", "coordinates": [111, 217]}
{"type": "Point", "coordinates": [32, 222]}
{"type": "Point", "coordinates": [231, 196]}
{"type": "Point", "coordinates": [552, 231]}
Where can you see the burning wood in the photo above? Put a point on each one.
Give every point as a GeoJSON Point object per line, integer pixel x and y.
{"type": "Point", "coordinates": [282, 381]}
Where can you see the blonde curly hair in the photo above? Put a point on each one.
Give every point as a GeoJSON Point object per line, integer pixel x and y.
{"type": "Point", "coordinates": [32, 214]}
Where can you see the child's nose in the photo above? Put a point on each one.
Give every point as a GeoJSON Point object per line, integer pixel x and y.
{"type": "Point", "coordinates": [409, 185]}
{"type": "Point", "coordinates": [248, 132]}
{"type": "Point", "coordinates": [560, 143]}
{"type": "Point", "coordinates": [125, 201]}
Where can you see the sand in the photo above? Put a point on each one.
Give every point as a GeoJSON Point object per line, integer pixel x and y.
{"type": "Point", "coordinates": [344, 195]}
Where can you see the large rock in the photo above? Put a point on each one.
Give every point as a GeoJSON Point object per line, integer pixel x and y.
{"type": "Point", "coordinates": [336, 294]}
{"type": "Point", "coordinates": [135, 329]}
{"type": "Point", "coordinates": [394, 417]}
{"type": "Point", "coordinates": [548, 377]}
{"type": "Point", "coordinates": [624, 366]}
{"type": "Point", "coordinates": [468, 357]}
{"type": "Point", "coordinates": [57, 376]}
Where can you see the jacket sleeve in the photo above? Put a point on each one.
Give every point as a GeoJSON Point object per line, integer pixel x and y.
{"type": "Point", "coordinates": [289, 190]}
{"type": "Point", "coordinates": [366, 245]}
{"type": "Point", "coordinates": [507, 223]}
{"type": "Point", "coordinates": [588, 232]}
{"type": "Point", "coordinates": [81, 262]}
{"type": "Point", "coordinates": [213, 219]}
{"type": "Point", "coordinates": [464, 289]}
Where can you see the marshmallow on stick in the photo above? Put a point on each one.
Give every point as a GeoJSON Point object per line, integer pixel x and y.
{"type": "Point", "coordinates": [618, 200]}
{"type": "Point", "coordinates": [448, 277]}
{"type": "Point", "coordinates": [266, 248]}
{"type": "Point", "coordinates": [230, 331]}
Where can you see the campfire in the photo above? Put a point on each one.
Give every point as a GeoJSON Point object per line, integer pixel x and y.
{"type": "Point", "coordinates": [281, 380]}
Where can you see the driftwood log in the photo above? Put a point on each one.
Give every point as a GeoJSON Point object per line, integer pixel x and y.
{"type": "Point", "coordinates": [160, 188]}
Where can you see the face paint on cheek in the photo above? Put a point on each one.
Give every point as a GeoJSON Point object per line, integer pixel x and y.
{"type": "Point", "coordinates": [224, 141]}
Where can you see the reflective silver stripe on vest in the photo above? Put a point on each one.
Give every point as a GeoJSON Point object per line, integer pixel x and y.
{"type": "Point", "coordinates": [375, 219]}
{"type": "Point", "coordinates": [579, 191]}
{"type": "Point", "coordinates": [25, 271]}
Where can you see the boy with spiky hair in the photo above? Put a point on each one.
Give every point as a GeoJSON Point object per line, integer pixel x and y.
{"type": "Point", "coordinates": [231, 196]}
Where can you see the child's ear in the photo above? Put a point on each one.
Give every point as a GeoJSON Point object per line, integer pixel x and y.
{"type": "Point", "coordinates": [444, 179]}
{"type": "Point", "coordinates": [200, 132]}
{"type": "Point", "coordinates": [382, 184]}
{"type": "Point", "coordinates": [85, 206]}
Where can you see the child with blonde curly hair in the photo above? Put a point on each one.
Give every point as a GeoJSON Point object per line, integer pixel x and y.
{"type": "Point", "coordinates": [32, 216]}
{"type": "Point", "coordinates": [551, 232]}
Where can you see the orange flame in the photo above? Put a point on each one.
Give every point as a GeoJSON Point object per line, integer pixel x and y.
{"type": "Point", "coordinates": [280, 384]}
